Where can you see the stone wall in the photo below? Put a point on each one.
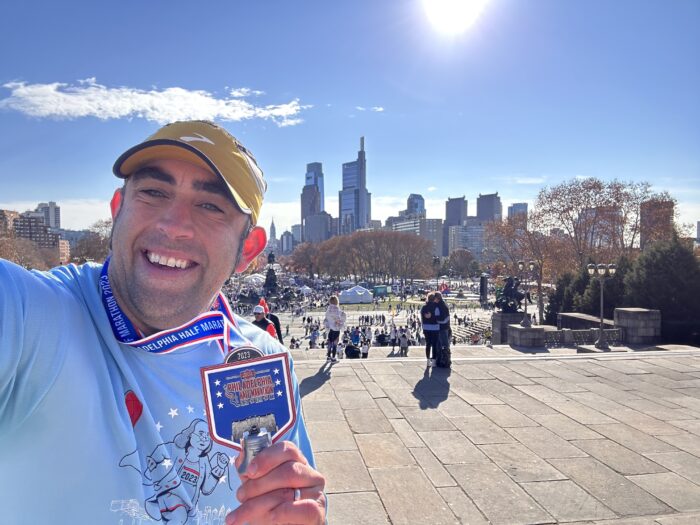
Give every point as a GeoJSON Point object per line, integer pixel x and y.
{"type": "Point", "coordinates": [532, 337]}
{"type": "Point", "coordinates": [499, 326]}
{"type": "Point", "coordinates": [641, 326]}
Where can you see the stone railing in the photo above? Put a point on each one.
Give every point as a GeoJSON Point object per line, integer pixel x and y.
{"type": "Point", "coordinates": [567, 337]}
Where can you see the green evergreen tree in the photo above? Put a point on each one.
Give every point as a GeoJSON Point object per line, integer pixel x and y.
{"type": "Point", "coordinates": [667, 278]}
{"type": "Point", "coordinates": [567, 296]}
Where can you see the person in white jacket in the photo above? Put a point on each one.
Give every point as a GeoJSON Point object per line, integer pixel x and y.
{"type": "Point", "coordinates": [334, 323]}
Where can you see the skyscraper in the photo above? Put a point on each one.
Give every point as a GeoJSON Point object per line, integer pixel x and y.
{"type": "Point", "coordinates": [415, 205]}
{"type": "Point", "coordinates": [488, 207]}
{"type": "Point", "coordinates": [273, 230]}
{"type": "Point", "coordinates": [310, 202]}
{"type": "Point", "coordinates": [354, 201]}
{"type": "Point", "coordinates": [51, 212]}
{"type": "Point", "coordinates": [314, 177]}
{"type": "Point", "coordinates": [517, 208]}
{"type": "Point", "coordinates": [311, 194]}
{"type": "Point", "coordinates": [455, 215]}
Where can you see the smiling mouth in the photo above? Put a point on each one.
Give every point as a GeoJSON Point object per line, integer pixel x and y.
{"type": "Point", "coordinates": [168, 262]}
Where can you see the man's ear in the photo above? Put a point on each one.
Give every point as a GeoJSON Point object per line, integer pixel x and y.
{"type": "Point", "coordinates": [252, 246]}
{"type": "Point", "coordinates": [116, 203]}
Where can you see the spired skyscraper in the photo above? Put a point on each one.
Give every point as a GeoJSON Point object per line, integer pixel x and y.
{"type": "Point", "coordinates": [354, 201]}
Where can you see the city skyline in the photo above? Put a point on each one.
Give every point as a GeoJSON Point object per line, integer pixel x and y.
{"type": "Point", "coordinates": [531, 95]}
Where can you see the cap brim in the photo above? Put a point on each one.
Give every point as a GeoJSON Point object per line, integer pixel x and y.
{"type": "Point", "coordinates": [159, 149]}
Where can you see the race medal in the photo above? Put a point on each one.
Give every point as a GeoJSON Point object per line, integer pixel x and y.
{"type": "Point", "coordinates": [253, 395]}
{"type": "Point", "coordinates": [243, 353]}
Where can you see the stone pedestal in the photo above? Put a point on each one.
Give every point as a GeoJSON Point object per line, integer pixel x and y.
{"type": "Point", "coordinates": [640, 326]}
{"type": "Point", "coordinates": [527, 337]}
{"type": "Point", "coordinates": [499, 326]}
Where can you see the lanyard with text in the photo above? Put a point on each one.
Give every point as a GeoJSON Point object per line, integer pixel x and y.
{"type": "Point", "coordinates": [218, 324]}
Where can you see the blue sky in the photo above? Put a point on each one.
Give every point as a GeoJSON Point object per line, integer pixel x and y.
{"type": "Point", "coordinates": [533, 93]}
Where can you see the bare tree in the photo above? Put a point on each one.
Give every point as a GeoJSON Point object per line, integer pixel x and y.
{"type": "Point", "coordinates": [304, 258]}
{"type": "Point", "coordinates": [94, 245]}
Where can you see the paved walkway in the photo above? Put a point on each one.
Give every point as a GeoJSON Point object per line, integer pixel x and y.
{"type": "Point", "coordinates": [507, 438]}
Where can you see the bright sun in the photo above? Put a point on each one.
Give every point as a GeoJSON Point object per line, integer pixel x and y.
{"type": "Point", "coordinates": [453, 16]}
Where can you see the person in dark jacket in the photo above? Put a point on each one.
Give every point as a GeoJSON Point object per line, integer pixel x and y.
{"type": "Point", "coordinates": [263, 322]}
{"type": "Point", "coordinates": [443, 319]}
{"type": "Point", "coordinates": [430, 329]}
{"type": "Point", "coordinates": [272, 317]}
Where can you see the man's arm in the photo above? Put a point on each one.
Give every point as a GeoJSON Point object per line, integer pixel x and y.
{"type": "Point", "coordinates": [34, 311]}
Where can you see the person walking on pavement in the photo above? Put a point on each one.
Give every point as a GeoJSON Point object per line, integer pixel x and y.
{"type": "Point", "coordinates": [393, 336]}
{"type": "Point", "coordinates": [334, 323]}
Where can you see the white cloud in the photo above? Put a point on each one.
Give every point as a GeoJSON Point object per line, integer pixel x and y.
{"type": "Point", "coordinates": [360, 108]}
{"type": "Point", "coordinates": [245, 92]}
{"type": "Point", "coordinates": [377, 109]}
{"type": "Point", "coordinates": [89, 99]}
{"type": "Point", "coordinates": [529, 180]}
{"type": "Point", "coordinates": [76, 214]}
{"type": "Point", "coordinates": [431, 188]}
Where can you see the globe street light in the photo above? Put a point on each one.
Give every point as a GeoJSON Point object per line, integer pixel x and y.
{"type": "Point", "coordinates": [602, 270]}
{"type": "Point", "coordinates": [526, 323]}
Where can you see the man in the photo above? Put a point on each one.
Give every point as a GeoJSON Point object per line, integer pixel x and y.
{"type": "Point", "coordinates": [273, 318]}
{"type": "Point", "coordinates": [263, 322]}
{"type": "Point", "coordinates": [102, 366]}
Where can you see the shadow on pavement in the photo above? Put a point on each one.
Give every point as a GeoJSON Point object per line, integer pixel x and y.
{"type": "Point", "coordinates": [433, 388]}
{"type": "Point", "coordinates": [317, 380]}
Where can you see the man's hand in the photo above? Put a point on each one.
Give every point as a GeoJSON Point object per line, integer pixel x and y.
{"type": "Point", "coordinates": [268, 489]}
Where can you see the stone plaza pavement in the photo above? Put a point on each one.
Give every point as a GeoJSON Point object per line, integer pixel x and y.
{"type": "Point", "coordinates": [507, 438]}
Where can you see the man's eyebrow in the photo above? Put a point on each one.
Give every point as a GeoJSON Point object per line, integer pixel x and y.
{"type": "Point", "coordinates": [152, 173]}
{"type": "Point", "coordinates": [217, 187]}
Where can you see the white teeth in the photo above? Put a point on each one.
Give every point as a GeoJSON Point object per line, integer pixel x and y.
{"type": "Point", "coordinates": [171, 262]}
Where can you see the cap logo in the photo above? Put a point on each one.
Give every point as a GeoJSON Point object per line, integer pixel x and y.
{"type": "Point", "coordinates": [198, 138]}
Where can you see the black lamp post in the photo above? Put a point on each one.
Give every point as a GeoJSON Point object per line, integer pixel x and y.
{"type": "Point", "coordinates": [602, 270]}
{"type": "Point", "coordinates": [526, 323]}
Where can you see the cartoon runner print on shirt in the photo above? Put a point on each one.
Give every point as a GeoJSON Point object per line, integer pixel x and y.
{"type": "Point", "coordinates": [179, 471]}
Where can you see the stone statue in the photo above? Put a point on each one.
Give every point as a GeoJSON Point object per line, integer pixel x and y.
{"type": "Point", "coordinates": [510, 298]}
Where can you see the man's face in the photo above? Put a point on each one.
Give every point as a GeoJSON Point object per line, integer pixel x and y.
{"type": "Point", "coordinates": [259, 316]}
{"type": "Point", "coordinates": [175, 241]}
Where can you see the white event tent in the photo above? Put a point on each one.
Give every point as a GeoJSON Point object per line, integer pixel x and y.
{"type": "Point", "coordinates": [355, 295]}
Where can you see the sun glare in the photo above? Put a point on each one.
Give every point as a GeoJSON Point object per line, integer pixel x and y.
{"type": "Point", "coordinates": [453, 16]}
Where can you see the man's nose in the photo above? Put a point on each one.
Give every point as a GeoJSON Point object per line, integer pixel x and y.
{"type": "Point", "coordinates": [177, 221]}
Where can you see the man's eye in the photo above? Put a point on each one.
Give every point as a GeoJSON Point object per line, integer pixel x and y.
{"type": "Point", "coordinates": [152, 193]}
{"type": "Point", "coordinates": [211, 207]}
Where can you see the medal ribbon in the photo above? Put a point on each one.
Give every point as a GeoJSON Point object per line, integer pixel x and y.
{"type": "Point", "coordinates": [218, 324]}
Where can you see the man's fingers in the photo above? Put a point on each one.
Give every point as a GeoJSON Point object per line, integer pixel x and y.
{"type": "Point", "coordinates": [306, 511]}
{"type": "Point", "coordinates": [291, 474]}
{"type": "Point", "coordinates": [279, 506]}
{"type": "Point", "coordinates": [272, 457]}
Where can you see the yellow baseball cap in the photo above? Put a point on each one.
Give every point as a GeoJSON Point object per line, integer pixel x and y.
{"type": "Point", "coordinates": [207, 145]}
